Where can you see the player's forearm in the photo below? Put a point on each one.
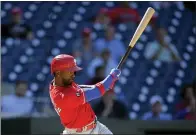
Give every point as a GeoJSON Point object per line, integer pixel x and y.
{"type": "Point", "coordinates": [96, 91]}
{"type": "Point", "coordinates": [100, 88]}
{"type": "Point", "coordinates": [91, 93]}
{"type": "Point", "coordinates": [108, 82]}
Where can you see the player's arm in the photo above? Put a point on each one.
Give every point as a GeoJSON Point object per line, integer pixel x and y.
{"type": "Point", "coordinates": [95, 91]}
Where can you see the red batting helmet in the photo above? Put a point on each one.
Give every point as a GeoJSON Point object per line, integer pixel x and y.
{"type": "Point", "coordinates": [64, 62]}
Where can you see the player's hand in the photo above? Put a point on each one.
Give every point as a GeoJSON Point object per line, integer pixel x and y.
{"type": "Point", "coordinates": [115, 73]}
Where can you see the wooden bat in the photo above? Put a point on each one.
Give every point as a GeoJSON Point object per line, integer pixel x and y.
{"type": "Point", "coordinates": [143, 24]}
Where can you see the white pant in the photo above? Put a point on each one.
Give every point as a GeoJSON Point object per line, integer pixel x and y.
{"type": "Point", "coordinates": [99, 129]}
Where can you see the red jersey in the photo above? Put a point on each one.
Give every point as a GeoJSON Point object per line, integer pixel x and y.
{"type": "Point", "coordinates": [69, 103]}
{"type": "Point", "coordinates": [190, 116]}
{"type": "Point", "coordinates": [182, 105]}
{"type": "Point", "coordinates": [123, 15]}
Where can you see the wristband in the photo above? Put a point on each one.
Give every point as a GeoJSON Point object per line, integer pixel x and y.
{"type": "Point", "coordinates": [113, 81]}
{"type": "Point", "coordinates": [100, 87]}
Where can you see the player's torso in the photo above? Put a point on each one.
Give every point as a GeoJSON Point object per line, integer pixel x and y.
{"type": "Point", "coordinates": [71, 107]}
{"type": "Point", "coordinates": [78, 117]}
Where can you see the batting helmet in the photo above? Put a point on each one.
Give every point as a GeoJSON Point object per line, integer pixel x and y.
{"type": "Point", "coordinates": [64, 62]}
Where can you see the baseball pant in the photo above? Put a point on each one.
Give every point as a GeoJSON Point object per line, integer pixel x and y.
{"type": "Point", "coordinates": [99, 129]}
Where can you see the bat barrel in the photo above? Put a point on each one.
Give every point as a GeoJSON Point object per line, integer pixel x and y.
{"type": "Point", "coordinates": [144, 22]}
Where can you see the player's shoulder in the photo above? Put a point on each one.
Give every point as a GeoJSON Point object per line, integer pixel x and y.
{"type": "Point", "coordinates": [56, 90]}
{"type": "Point", "coordinates": [62, 92]}
{"type": "Point", "coordinates": [57, 95]}
{"type": "Point", "coordinates": [8, 98]}
{"type": "Point", "coordinates": [100, 40]}
{"type": "Point", "coordinates": [5, 100]}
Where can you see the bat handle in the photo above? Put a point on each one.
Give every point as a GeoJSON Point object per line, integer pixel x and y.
{"type": "Point", "coordinates": [124, 58]}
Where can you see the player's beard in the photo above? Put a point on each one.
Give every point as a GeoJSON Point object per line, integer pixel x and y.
{"type": "Point", "coordinates": [67, 82]}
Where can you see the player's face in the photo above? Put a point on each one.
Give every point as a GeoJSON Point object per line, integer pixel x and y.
{"type": "Point", "coordinates": [189, 93]}
{"type": "Point", "coordinates": [110, 32]}
{"type": "Point", "coordinates": [21, 89]}
{"type": "Point", "coordinates": [17, 18]}
{"type": "Point", "coordinates": [106, 55]}
{"type": "Point", "coordinates": [87, 39]}
{"type": "Point", "coordinates": [67, 77]}
{"type": "Point", "coordinates": [157, 108]}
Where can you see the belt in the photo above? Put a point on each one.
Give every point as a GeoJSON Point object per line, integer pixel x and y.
{"type": "Point", "coordinates": [86, 128]}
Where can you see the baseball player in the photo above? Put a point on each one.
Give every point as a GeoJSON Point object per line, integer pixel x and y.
{"type": "Point", "coordinates": [70, 100]}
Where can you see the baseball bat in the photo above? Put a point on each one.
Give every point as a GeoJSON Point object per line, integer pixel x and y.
{"type": "Point", "coordinates": [143, 24]}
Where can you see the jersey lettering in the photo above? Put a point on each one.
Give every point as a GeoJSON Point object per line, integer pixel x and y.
{"type": "Point", "coordinates": [58, 110]}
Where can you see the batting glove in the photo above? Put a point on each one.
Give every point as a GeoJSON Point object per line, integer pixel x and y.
{"type": "Point", "coordinates": [109, 81]}
{"type": "Point", "coordinates": [115, 73]}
